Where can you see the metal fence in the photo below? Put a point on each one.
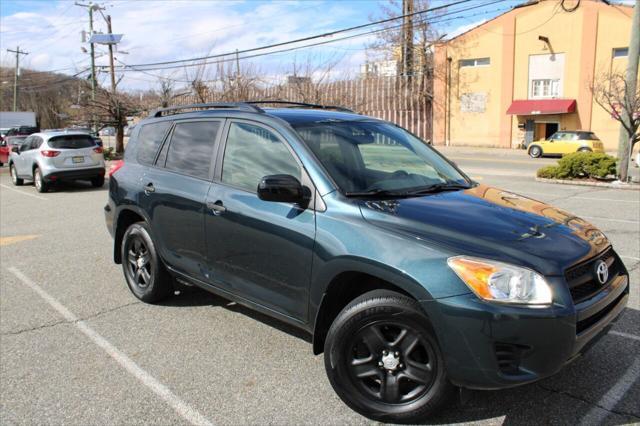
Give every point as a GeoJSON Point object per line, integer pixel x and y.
{"type": "Point", "coordinates": [401, 101]}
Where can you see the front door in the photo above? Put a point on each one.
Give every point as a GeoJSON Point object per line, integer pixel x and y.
{"type": "Point", "coordinates": [259, 250]}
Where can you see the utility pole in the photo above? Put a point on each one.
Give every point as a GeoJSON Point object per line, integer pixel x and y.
{"type": "Point", "coordinates": [18, 52]}
{"type": "Point", "coordinates": [624, 139]}
{"type": "Point", "coordinates": [91, 7]}
{"type": "Point", "coordinates": [113, 72]}
{"type": "Point", "coordinates": [407, 39]}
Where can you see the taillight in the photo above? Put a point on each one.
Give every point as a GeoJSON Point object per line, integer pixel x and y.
{"type": "Point", "coordinates": [97, 150]}
{"type": "Point", "coordinates": [49, 153]}
{"type": "Point", "coordinates": [115, 166]}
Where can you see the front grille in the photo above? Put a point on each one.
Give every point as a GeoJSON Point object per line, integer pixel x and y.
{"type": "Point", "coordinates": [582, 280]}
{"type": "Point", "coordinates": [588, 322]}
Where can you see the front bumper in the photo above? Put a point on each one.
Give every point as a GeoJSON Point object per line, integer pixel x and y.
{"type": "Point", "coordinates": [57, 175]}
{"type": "Point", "coordinates": [490, 346]}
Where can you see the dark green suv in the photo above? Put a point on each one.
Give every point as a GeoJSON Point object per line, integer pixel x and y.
{"type": "Point", "coordinates": [412, 278]}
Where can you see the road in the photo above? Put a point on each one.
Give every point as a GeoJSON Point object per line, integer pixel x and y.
{"type": "Point", "coordinates": [77, 348]}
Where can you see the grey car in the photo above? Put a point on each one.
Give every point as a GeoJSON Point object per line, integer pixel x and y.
{"type": "Point", "coordinates": [47, 158]}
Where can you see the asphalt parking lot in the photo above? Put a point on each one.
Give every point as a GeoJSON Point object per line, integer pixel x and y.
{"type": "Point", "coordinates": [77, 348]}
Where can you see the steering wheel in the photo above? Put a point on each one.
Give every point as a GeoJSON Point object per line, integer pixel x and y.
{"type": "Point", "coordinates": [398, 174]}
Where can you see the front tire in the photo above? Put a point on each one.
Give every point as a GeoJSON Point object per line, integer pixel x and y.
{"type": "Point", "coordinates": [38, 181]}
{"type": "Point", "coordinates": [14, 176]}
{"type": "Point", "coordinates": [144, 271]}
{"type": "Point", "coordinates": [383, 360]}
{"type": "Point", "coordinates": [585, 150]}
{"type": "Point", "coordinates": [535, 152]}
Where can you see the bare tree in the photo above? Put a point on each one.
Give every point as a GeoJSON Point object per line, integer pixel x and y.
{"type": "Point", "coordinates": [610, 92]}
{"type": "Point", "coordinates": [165, 91]}
{"type": "Point", "coordinates": [420, 35]}
{"type": "Point", "coordinates": [111, 109]}
{"type": "Point", "coordinates": [308, 78]}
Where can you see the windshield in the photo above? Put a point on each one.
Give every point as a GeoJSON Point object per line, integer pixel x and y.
{"type": "Point", "coordinates": [71, 142]}
{"type": "Point", "coordinates": [372, 156]}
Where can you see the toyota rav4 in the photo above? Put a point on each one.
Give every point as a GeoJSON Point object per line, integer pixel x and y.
{"type": "Point", "coordinates": [412, 278]}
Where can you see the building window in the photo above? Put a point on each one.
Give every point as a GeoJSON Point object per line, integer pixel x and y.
{"type": "Point", "coordinates": [476, 62]}
{"type": "Point", "coordinates": [545, 88]}
{"type": "Point", "coordinates": [621, 52]}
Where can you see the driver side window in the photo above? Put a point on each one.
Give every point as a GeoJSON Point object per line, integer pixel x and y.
{"type": "Point", "coordinates": [253, 152]}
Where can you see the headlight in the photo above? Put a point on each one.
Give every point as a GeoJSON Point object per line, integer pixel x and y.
{"type": "Point", "coordinates": [501, 282]}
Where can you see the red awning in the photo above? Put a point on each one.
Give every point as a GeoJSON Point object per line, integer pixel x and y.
{"type": "Point", "coordinates": [542, 106]}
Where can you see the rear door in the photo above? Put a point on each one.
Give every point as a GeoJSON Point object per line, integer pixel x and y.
{"type": "Point", "coordinates": [174, 188]}
{"type": "Point", "coordinates": [76, 152]}
{"type": "Point", "coordinates": [22, 162]}
{"type": "Point", "coordinates": [259, 250]}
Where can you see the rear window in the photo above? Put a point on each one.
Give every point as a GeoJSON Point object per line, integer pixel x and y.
{"type": "Point", "coordinates": [149, 140]}
{"type": "Point", "coordinates": [588, 136]}
{"type": "Point", "coordinates": [71, 142]}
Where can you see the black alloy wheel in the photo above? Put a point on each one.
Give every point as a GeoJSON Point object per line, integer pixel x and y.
{"type": "Point", "coordinates": [144, 272]}
{"type": "Point", "coordinates": [391, 362]}
{"type": "Point", "coordinates": [139, 262]}
{"type": "Point", "coordinates": [383, 359]}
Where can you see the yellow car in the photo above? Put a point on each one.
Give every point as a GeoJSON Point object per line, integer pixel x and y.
{"type": "Point", "coordinates": [566, 142]}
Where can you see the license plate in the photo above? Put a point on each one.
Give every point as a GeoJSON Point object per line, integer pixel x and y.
{"type": "Point", "coordinates": [78, 159]}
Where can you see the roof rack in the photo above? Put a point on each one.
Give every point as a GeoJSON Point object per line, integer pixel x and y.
{"type": "Point", "coordinates": [244, 106]}
{"type": "Point", "coordinates": [301, 104]}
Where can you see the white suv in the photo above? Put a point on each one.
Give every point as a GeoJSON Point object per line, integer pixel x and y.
{"type": "Point", "coordinates": [52, 157]}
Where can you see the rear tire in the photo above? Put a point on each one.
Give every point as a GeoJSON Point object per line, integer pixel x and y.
{"type": "Point", "coordinates": [585, 150]}
{"type": "Point", "coordinates": [38, 181]}
{"type": "Point", "coordinates": [535, 152]}
{"type": "Point", "coordinates": [383, 360]}
{"type": "Point", "coordinates": [97, 182]}
{"type": "Point", "coordinates": [14, 176]}
{"type": "Point", "coordinates": [144, 271]}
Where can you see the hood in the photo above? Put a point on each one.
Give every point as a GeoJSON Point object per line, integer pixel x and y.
{"type": "Point", "coordinates": [493, 224]}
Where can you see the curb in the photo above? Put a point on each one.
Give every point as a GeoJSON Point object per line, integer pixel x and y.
{"type": "Point", "coordinates": [626, 186]}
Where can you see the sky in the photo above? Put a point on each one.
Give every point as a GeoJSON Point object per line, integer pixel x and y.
{"type": "Point", "coordinates": [162, 30]}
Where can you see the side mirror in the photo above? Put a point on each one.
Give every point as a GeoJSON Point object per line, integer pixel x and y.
{"type": "Point", "coordinates": [284, 189]}
{"type": "Point", "coordinates": [15, 149]}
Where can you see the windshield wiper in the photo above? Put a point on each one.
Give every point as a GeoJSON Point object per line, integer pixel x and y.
{"type": "Point", "coordinates": [439, 187]}
{"type": "Point", "coordinates": [376, 193]}
{"type": "Point", "coordinates": [431, 189]}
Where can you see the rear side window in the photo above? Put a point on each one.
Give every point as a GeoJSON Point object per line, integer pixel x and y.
{"type": "Point", "coordinates": [71, 142]}
{"type": "Point", "coordinates": [588, 136]}
{"type": "Point", "coordinates": [149, 140]}
{"type": "Point", "coordinates": [191, 149]}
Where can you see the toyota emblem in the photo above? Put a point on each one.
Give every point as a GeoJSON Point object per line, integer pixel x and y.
{"type": "Point", "coordinates": [602, 272]}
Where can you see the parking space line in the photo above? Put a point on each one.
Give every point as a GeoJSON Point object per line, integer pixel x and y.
{"type": "Point", "coordinates": [183, 409]}
{"type": "Point", "coordinates": [626, 335]}
{"type": "Point", "coordinates": [610, 399]}
{"type": "Point", "coordinates": [580, 198]}
{"type": "Point", "coordinates": [611, 220]}
{"type": "Point", "coordinates": [23, 193]}
{"type": "Point", "coordinates": [630, 257]}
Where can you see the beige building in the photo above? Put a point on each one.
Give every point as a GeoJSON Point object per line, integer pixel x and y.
{"type": "Point", "coordinates": [527, 73]}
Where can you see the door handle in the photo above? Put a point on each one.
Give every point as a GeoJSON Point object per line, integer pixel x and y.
{"type": "Point", "coordinates": [149, 188]}
{"type": "Point", "coordinates": [216, 208]}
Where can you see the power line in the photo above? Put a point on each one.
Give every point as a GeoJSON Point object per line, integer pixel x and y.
{"type": "Point", "coordinates": [137, 68]}
{"type": "Point", "coordinates": [308, 38]}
